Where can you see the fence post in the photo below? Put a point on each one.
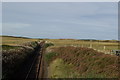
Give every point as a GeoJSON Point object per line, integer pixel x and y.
{"type": "Point", "coordinates": [90, 45]}
{"type": "Point", "coordinates": [104, 48]}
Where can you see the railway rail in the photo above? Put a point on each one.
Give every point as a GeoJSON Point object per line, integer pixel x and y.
{"type": "Point", "coordinates": [35, 69]}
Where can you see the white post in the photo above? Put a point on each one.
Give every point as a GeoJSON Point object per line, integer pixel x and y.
{"type": "Point", "coordinates": [90, 45]}
{"type": "Point", "coordinates": [104, 48]}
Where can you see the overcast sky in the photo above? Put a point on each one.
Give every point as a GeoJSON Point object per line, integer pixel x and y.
{"type": "Point", "coordinates": [81, 20]}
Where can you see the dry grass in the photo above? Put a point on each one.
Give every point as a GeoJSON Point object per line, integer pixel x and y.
{"type": "Point", "coordinates": [6, 40]}
{"type": "Point", "coordinates": [98, 45]}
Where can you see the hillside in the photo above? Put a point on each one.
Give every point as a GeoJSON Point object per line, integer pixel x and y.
{"type": "Point", "coordinates": [81, 63]}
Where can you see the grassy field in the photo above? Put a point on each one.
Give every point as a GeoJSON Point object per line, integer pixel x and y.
{"type": "Point", "coordinates": [15, 41]}
{"type": "Point", "coordinates": [99, 45]}
{"type": "Point", "coordinates": [105, 46]}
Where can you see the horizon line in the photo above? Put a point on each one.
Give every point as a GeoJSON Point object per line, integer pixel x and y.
{"type": "Point", "coordinates": [53, 38]}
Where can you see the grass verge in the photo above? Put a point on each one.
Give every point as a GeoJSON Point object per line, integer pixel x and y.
{"type": "Point", "coordinates": [59, 69]}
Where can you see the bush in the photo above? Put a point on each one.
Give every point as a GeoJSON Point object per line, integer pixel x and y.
{"type": "Point", "coordinates": [31, 44]}
{"type": "Point", "coordinates": [48, 44]}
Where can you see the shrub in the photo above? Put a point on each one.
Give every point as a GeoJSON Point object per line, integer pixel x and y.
{"type": "Point", "coordinates": [31, 44]}
{"type": "Point", "coordinates": [48, 44]}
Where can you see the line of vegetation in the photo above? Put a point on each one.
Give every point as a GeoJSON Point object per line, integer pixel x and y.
{"type": "Point", "coordinates": [87, 62]}
{"type": "Point", "coordinates": [8, 47]}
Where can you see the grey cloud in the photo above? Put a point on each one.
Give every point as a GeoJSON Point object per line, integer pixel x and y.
{"type": "Point", "coordinates": [56, 19]}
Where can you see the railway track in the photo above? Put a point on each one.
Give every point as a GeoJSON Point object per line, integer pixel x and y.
{"type": "Point", "coordinates": [32, 69]}
{"type": "Point", "coordinates": [35, 70]}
